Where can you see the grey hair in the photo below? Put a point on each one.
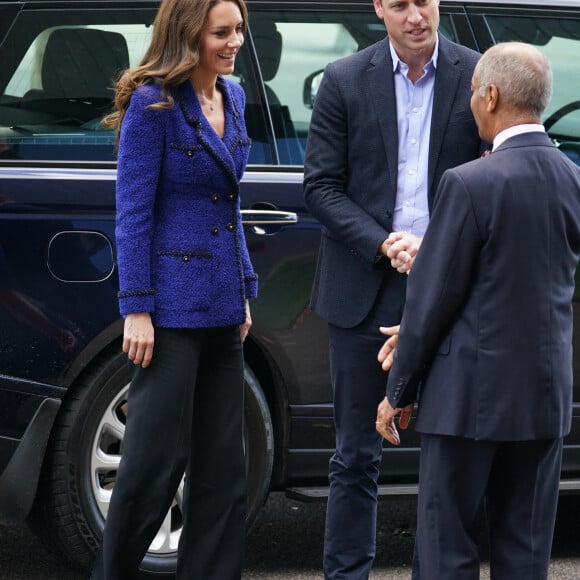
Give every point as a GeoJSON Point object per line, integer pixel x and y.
{"type": "Point", "coordinates": [521, 73]}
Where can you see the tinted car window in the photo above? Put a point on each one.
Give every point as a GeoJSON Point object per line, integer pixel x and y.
{"type": "Point", "coordinates": [59, 84]}
{"type": "Point", "coordinates": [292, 50]}
{"type": "Point", "coordinates": [559, 40]}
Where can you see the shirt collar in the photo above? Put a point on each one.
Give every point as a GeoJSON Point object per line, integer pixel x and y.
{"type": "Point", "coordinates": [398, 64]}
{"type": "Point", "coordinates": [504, 135]}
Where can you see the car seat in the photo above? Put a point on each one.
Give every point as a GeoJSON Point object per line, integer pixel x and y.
{"type": "Point", "coordinates": [78, 71]}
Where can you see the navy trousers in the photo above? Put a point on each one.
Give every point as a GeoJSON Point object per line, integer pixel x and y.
{"type": "Point", "coordinates": [185, 415]}
{"type": "Point", "coordinates": [515, 484]}
{"type": "Point", "coordinates": [359, 385]}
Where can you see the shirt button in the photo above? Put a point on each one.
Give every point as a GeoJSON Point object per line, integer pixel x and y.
{"type": "Point", "coordinates": [415, 109]}
{"type": "Point", "coordinates": [411, 172]}
{"type": "Point", "coordinates": [230, 227]}
{"type": "Point", "coordinates": [215, 231]}
{"type": "Point", "coordinates": [186, 258]}
{"type": "Point", "coordinates": [190, 153]}
{"type": "Point", "coordinates": [231, 196]}
{"type": "Point", "coordinates": [413, 141]}
{"type": "Point", "coordinates": [214, 198]}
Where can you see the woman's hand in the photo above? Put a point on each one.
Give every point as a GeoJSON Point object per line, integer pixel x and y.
{"type": "Point", "coordinates": [138, 338]}
{"type": "Point", "coordinates": [245, 326]}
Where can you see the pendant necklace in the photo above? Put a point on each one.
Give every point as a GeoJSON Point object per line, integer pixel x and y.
{"type": "Point", "coordinates": [209, 103]}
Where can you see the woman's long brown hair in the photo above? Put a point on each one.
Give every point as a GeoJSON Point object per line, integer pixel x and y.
{"type": "Point", "coordinates": [172, 55]}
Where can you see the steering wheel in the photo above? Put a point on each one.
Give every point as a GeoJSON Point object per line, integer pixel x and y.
{"type": "Point", "coordinates": [559, 113]}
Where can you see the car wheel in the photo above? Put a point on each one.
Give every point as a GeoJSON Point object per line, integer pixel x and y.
{"type": "Point", "coordinates": [83, 456]}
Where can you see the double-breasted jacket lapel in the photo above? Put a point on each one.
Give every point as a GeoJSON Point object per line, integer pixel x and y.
{"type": "Point", "coordinates": [222, 150]}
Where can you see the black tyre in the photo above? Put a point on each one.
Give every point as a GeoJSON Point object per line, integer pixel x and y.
{"type": "Point", "coordinates": [84, 453]}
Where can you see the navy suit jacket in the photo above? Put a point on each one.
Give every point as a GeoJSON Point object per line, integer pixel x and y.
{"type": "Point", "coordinates": [487, 326]}
{"type": "Point", "coordinates": [350, 173]}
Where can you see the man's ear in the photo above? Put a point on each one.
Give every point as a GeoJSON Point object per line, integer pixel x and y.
{"type": "Point", "coordinates": [491, 98]}
{"type": "Point", "coordinates": [378, 4]}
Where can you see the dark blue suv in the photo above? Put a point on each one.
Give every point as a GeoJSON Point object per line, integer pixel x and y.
{"type": "Point", "coordinates": [63, 378]}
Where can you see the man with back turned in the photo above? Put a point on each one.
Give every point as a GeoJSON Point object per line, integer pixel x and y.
{"type": "Point", "coordinates": [485, 343]}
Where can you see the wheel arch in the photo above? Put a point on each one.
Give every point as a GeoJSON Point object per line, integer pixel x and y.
{"type": "Point", "coordinates": [265, 379]}
{"type": "Point", "coordinates": [106, 343]}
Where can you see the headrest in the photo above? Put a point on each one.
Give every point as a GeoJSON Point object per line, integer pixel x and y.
{"type": "Point", "coordinates": [268, 43]}
{"type": "Point", "coordinates": [83, 63]}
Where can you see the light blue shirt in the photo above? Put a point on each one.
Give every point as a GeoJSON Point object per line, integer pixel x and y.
{"type": "Point", "coordinates": [414, 109]}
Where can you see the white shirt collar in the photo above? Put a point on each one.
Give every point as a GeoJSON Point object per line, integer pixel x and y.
{"type": "Point", "coordinates": [504, 135]}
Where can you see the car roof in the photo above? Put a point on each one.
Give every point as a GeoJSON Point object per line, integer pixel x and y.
{"type": "Point", "coordinates": [324, 5]}
{"type": "Point", "coordinates": [544, 3]}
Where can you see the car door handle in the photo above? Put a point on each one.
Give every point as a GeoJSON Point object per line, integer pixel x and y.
{"type": "Point", "coordinates": [268, 217]}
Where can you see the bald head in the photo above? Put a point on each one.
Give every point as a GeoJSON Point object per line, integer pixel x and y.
{"type": "Point", "coordinates": [521, 74]}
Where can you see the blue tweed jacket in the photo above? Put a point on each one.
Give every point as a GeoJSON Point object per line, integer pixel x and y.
{"type": "Point", "coordinates": [181, 250]}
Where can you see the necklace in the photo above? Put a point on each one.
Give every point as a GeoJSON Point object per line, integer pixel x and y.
{"type": "Point", "coordinates": [208, 103]}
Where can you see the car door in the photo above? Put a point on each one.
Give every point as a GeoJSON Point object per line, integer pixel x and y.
{"type": "Point", "coordinates": [292, 43]}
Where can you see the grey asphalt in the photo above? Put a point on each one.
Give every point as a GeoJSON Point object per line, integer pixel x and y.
{"type": "Point", "coordinates": [286, 543]}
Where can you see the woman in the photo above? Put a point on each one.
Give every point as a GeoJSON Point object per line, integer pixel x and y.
{"type": "Point", "coordinates": [185, 280]}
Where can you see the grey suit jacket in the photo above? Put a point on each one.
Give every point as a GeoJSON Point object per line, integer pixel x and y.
{"type": "Point", "coordinates": [487, 326]}
{"type": "Point", "coordinates": [350, 174]}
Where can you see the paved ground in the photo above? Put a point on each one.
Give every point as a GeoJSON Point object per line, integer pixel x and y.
{"type": "Point", "coordinates": [286, 544]}
{"type": "Point", "coordinates": [286, 541]}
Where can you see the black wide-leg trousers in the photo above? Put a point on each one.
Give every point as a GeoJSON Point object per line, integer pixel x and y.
{"type": "Point", "coordinates": [185, 414]}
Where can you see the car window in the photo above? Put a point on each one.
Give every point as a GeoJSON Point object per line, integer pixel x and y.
{"type": "Point", "coordinates": [57, 84]}
{"type": "Point", "coordinates": [57, 79]}
{"type": "Point", "coordinates": [559, 40]}
{"type": "Point", "coordinates": [292, 49]}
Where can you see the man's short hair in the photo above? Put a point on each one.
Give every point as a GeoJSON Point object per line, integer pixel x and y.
{"type": "Point", "coordinates": [521, 73]}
